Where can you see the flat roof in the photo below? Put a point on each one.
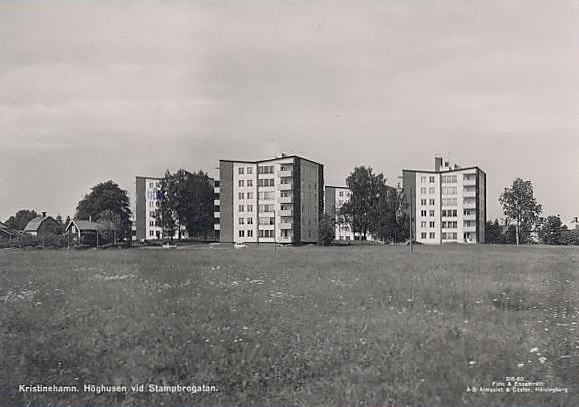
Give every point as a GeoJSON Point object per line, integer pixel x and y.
{"type": "Point", "coordinates": [446, 171]}
{"type": "Point", "coordinates": [271, 159]}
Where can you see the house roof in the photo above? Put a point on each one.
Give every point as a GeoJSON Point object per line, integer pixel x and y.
{"type": "Point", "coordinates": [35, 223]}
{"type": "Point", "coordinates": [447, 171]}
{"type": "Point", "coordinates": [86, 225]}
{"type": "Point", "coordinates": [272, 159]}
{"type": "Point", "coordinates": [4, 231]}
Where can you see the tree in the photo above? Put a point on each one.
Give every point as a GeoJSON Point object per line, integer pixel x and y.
{"type": "Point", "coordinates": [20, 219]}
{"type": "Point", "coordinates": [494, 232]}
{"type": "Point", "coordinates": [61, 225]}
{"type": "Point", "coordinates": [550, 232]}
{"type": "Point", "coordinates": [112, 224]}
{"type": "Point", "coordinates": [165, 213]}
{"type": "Point", "coordinates": [327, 229]}
{"type": "Point", "coordinates": [189, 202]}
{"type": "Point", "coordinates": [364, 208]}
{"type": "Point", "coordinates": [520, 207]}
{"type": "Point", "coordinates": [106, 200]}
{"type": "Point", "coordinates": [387, 219]}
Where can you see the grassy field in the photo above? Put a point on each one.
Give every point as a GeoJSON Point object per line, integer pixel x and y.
{"type": "Point", "coordinates": [365, 325]}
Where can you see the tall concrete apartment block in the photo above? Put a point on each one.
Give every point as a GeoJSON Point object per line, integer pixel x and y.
{"type": "Point", "coordinates": [278, 200]}
{"type": "Point", "coordinates": [448, 204]}
{"type": "Point", "coordinates": [145, 206]}
{"type": "Point", "coordinates": [334, 199]}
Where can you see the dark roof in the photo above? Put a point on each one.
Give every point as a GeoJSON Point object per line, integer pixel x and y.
{"type": "Point", "coordinates": [3, 226]}
{"type": "Point", "coordinates": [86, 225]}
{"type": "Point", "coordinates": [272, 159]}
{"type": "Point", "coordinates": [4, 231]}
{"type": "Point", "coordinates": [446, 171]}
{"type": "Point", "coordinates": [35, 223]}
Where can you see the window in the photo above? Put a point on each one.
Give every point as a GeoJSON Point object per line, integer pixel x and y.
{"type": "Point", "coordinates": [151, 204]}
{"type": "Point", "coordinates": [266, 220]}
{"type": "Point", "coordinates": [249, 208]}
{"type": "Point", "coordinates": [266, 233]}
{"type": "Point", "coordinates": [443, 226]}
{"type": "Point", "coordinates": [241, 208]}
{"type": "Point", "coordinates": [241, 195]}
{"type": "Point", "coordinates": [242, 233]}
{"type": "Point", "coordinates": [265, 182]}
{"type": "Point", "coordinates": [423, 202]}
{"type": "Point", "coordinates": [240, 170]}
{"type": "Point", "coordinates": [151, 185]}
{"type": "Point", "coordinates": [431, 212]}
{"type": "Point", "coordinates": [432, 235]}
{"type": "Point", "coordinates": [250, 232]}
{"type": "Point", "coordinates": [431, 202]}
{"type": "Point", "coordinates": [286, 194]}
{"type": "Point", "coordinates": [423, 235]}
{"type": "Point", "coordinates": [449, 179]}
{"type": "Point", "coordinates": [152, 214]}
{"type": "Point", "coordinates": [250, 221]}
{"type": "Point", "coordinates": [265, 169]}
{"type": "Point", "coordinates": [241, 221]}
{"type": "Point", "coordinates": [431, 224]}
{"type": "Point", "coordinates": [240, 183]}
{"type": "Point", "coordinates": [423, 212]}
{"type": "Point", "coordinates": [266, 208]}
{"type": "Point", "coordinates": [443, 235]}
{"type": "Point", "coordinates": [250, 170]}
{"type": "Point", "coordinates": [431, 190]}
{"type": "Point", "coordinates": [285, 180]}
{"type": "Point", "coordinates": [423, 180]}
{"type": "Point", "coordinates": [286, 207]}
{"type": "Point", "coordinates": [423, 224]}
{"type": "Point", "coordinates": [432, 179]}
{"type": "Point", "coordinates": [250, 182]}
{"type": "Point", "coordinates": [152, 223]}
{"type": "Point", "coordinates": [423, 190]}
{"type": "Point", "coordinates": [250, 195]}
{"type": "Point", "coordinates": [341, 193]}
{"type": "Point", "coordinates": [151, 233]}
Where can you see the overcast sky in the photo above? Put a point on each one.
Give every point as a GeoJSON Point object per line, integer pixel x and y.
{"type": "Point", "coordinates": [98, 90]}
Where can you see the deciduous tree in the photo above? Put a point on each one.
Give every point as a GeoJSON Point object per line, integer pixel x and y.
{"type": "Point", "coordinates": [520, 207]}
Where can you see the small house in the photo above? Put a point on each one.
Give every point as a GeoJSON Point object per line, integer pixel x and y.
{"type": "Point", "coordinates": [42, 226]}
{"type": "Point", "coordinates": [86, 231]}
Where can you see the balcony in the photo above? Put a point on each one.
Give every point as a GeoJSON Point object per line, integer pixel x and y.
{"type": "Point", "coordinates": [284, 187]}
{"type": "Point", "coordinates": [469, 229]}
{"type": "Point", "coordinates": [286, 199]}
{"type": "Point", "coordinates": [469, 217]}
{"type": "Point", "coordinates": [217, 226]}
{"type": "Point", "coordinates": [288, 225]}
{"type": "Point", "coordinates": [469, 193]}
{"type": "Point", "coordinates": [287, 212]}
{"type": "Point", "coordinates": [216, 215]}
{"type": "Point", "coordinates": [216, 202]}
{"type": "Point", "coordinates": [283, 174]}
{"type": "Point", "coordinates": [217, 190]}
{"type": "Point", "coordinates": [469, 181]}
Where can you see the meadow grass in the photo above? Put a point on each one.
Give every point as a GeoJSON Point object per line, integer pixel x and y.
{"type": "Point", "coordinates": [364, 325]}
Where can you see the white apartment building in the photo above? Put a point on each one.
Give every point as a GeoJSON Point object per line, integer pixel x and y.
{"type": "Point", "coordinates": [448, 204]}
{"type": "Point", "coordinates": [270, 201]}
{"type": "Point", "coordinates": [146, 204]}
{"type": "Point", "coordinates": [334, 198]}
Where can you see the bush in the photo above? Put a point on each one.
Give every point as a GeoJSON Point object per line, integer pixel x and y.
{"type": "Point", "coordinates": [327, 230]}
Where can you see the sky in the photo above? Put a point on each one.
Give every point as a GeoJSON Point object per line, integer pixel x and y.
{"type": "Point", "coordinates": [99, 90]}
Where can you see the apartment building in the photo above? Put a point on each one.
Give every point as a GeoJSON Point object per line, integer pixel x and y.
{"type": "Point", "coordinates": [448, 204]}
{"type": "Point", "coordinates": [334, 198]}
{"type": "Point", "coordinates": [145, 224]}
{"type": "Point", "coordinates": [270, 201]}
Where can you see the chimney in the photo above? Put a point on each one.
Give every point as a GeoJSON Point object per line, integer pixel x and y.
{"type": "Point", "coordinates": [43, 215]}
{"type": "Point", "coordinates": [282, 155]}
{"type": "Point", "coordinates": [437, 163]}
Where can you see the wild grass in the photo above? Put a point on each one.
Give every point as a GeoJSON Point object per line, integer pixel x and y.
{"type": "Point", "coordinates": [291, 326]}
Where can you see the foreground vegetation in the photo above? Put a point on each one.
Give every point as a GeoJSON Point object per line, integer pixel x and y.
{"type": "Point", "coordinates": [371, 325]}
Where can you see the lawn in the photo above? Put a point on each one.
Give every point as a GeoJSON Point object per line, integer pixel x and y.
{"type": "Point", "coordinates": [363, 325]}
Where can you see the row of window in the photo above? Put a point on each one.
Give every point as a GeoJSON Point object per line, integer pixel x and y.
{"type": "Point", "coordinates": [449, 236]}
{"type": "Point", "coordinates": [265, 169]}
{"type": "Point", "coordinates": [450, 213]}
{"type": "Point", "coordinates": [431, 235]}
{"type": "Point", "coordinates": [242, 221]}
{"type": "Point", "coordinates": [424, 212]}
{"type": "Point", "coordinates": [430, 179]}
{"type": "Point", "coordinates": [241, 183]}
{"type": "Point", "coordinates": [265, 182]}
{"type": "Point", "coordinates": [448, 179]}
{"type": "Point", "coordinates": [247, 170]}
{"type": "Point", "coordinates": [243, 195]}
{"type": "Point", "coordinates": [249, 233]}
{"type": "Point", "coordinates": [449, 202]}
{"type": "Point", "coordinates": [449, 190]}
{"type": "Point", "coordinates": [451, 224]}
{"type": "Point", "coordinates": [431, 190]}
{"type": "Point", "coordinates": [430, 202]}
{"type": "Point", "coordinates": [424, 224]}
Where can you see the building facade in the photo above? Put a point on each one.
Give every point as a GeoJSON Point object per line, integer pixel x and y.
{"type": "Point", "coordinates": [145, 223]}
{"type": "Point", "coordinates": [271, 201]}
{"type": "Point", "coordinates": [448, 204]}
{"type": "Point", "coordinates": [334, 199]}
